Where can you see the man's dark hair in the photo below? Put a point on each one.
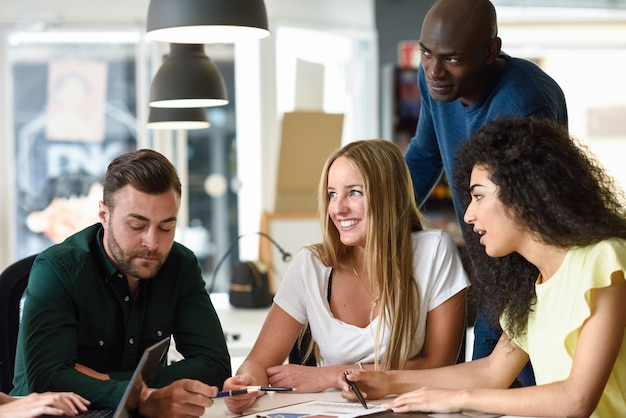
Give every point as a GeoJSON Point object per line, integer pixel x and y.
{"type": "Point", "coordinates": [146, 170]}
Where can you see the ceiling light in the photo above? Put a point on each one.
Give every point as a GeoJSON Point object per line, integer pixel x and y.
{"type": "Point", "coordinates": [188, 78]}
{"type": "Point", "coordinates": [177, 118]}
{"type": "Point", "coordinates": [206, 21]}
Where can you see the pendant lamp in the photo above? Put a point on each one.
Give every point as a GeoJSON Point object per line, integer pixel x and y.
{"type": "Point", "coordinates": [206, 21]}
{"type": "Point", "coordinates": [188, 78]}
{"type": "Point", "coordinates": [187, 118]}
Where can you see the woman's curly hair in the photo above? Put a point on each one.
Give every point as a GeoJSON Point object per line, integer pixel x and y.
{"type": "Point", "coordinates": [553, 186]}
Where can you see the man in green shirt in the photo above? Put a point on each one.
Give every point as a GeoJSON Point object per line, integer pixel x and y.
{"type": "Point", "coordinates": [96, 301]}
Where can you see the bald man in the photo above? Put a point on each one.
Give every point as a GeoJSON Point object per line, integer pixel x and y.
{"type": "Point", "coordinates": [466, 81]}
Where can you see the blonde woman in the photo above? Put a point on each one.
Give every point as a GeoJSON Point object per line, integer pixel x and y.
{"type": "Point", "coordinates": [379, 291]}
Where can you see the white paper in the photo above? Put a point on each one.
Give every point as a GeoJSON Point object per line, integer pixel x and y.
{"type": "Point", "coordinates": [322, 409]}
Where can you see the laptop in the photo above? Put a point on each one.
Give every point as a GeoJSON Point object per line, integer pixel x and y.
{"type": "Point", "coordinates": [143, 372]}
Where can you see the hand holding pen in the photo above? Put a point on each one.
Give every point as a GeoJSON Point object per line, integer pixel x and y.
{"type": "Point", "coordinates": [237, 385]}
{"type": "Point", "coordinates": [355, 389]}
{"type": "Point", "coordinates": [240, 403]}
{"type": "Point", "coordinates": [372, 384]}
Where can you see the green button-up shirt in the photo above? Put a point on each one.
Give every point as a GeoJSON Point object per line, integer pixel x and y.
{"type": "Point", "coordinates": [78, 309]}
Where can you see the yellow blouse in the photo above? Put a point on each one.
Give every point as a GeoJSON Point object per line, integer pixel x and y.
{"type": "Point", "coordinates": [562, 306]}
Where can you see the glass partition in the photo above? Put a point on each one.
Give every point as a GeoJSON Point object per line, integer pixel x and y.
{"type": "Point", "coordinates": [74, 108]}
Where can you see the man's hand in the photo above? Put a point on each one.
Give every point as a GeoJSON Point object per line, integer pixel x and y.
{"type": "Point", "coordinates": [373, 385]}
{"type": "Point", "coordinates": [49, 403]}
{"type": "Point", "coordinates": [183, 398]}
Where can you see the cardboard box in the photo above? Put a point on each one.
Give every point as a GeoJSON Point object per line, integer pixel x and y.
{"type": "Point", "coordinates": [307, 139]}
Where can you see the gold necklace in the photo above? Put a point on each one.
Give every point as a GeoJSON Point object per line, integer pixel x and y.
{"type": "Point", "coordinates": [373, 300]}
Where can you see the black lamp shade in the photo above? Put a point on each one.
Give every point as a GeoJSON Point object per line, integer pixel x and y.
{"type": "Point", "coordinates": [188, 78]}
{"type": "Point", "coordinates": [206, 21]}
{"type": "Point", "coordinates": [177, 118]}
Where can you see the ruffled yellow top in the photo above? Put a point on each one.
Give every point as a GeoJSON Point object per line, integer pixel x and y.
{"type": "Point", "coordinates": [562, 306]}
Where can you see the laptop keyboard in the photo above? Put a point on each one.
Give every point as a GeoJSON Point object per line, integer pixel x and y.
{"type": "Point", "coordinates": [94, 413]}
{"type": "Point", "coordinates": [98, 413]}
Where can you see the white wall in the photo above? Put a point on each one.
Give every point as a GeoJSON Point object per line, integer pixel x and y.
{"type": "Point", "coordinates": [258, 110]}
{"type": "Point", "coordinates": [583, 52]}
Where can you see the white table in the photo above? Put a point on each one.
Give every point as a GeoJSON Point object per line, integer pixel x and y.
{"type": "Point", "coordinates": [273, 400]}
{"type": "Point", "coordinates": [277, 399]}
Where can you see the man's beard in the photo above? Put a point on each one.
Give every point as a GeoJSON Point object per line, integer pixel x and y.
{"type": "Point", "coordinates": [124, 261]}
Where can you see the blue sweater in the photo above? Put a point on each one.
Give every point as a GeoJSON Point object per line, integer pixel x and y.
{"type": "Point", "coordinates": [519, 89]}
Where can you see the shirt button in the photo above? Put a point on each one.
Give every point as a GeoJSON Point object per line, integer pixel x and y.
{"type": "Point", "coordinates": [126, 298]}
{"type": "Point", "coordinates": [100, 343]}
{"type": "Point", "coordinates": [159, 333]}
{"type": "Point", "coordinates": [131, 341]}
{"type": "Point", "coordinates": [120, 275]}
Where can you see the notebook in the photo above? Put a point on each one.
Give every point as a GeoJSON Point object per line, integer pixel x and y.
{"type": "Point", "coordinates": [144, 371]}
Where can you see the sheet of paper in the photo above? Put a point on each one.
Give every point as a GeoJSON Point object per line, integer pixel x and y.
{"type": "Point", "coordinates": [320, 409]}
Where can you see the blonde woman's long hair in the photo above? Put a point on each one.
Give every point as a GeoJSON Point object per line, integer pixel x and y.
{"type": "Point", "coordinates": [392, 215]}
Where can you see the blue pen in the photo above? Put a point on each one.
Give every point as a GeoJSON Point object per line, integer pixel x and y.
{"type": "Point", "coordinates": [231, 393]}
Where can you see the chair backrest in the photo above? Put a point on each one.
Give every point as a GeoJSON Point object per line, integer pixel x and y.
{"type": "Point", "coordinates": [13, 281]}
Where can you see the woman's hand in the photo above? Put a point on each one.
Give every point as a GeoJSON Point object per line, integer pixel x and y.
{"type": "Point", "coordinates": [239, 403]}
{"type": "Point", "coordinates": [427, 399]}
{"type": "Point", "coordinates": [303, 378]}
{"type": "Point", "coordinates": [373, 385]}
{"type": "Point", "coordinates": [49, 403]}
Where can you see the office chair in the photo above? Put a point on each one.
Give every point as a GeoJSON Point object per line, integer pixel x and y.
{"type": "Point", "coordinates": [13, 281]}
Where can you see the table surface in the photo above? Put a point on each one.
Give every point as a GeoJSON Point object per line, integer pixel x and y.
{"type": "Point", "coordinates": [276, 399]}
{"type": "Point", "coordinates": [241, 327]}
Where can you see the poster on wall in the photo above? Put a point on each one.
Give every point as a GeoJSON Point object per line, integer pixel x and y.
{"type": "Point", "coordinates": [76, 102]}
{"type": "Point", "coordinates": [74, 110]}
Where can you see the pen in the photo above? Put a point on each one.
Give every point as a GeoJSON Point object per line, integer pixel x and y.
{"type": "Point", "coordinates": [270, 388]}
{"type": "Point", "coordinates": [232, 393]}
{"type": "Point", "coordinates": [249, 389]}
{"type": "Point", "coordinates": [355, 389]}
